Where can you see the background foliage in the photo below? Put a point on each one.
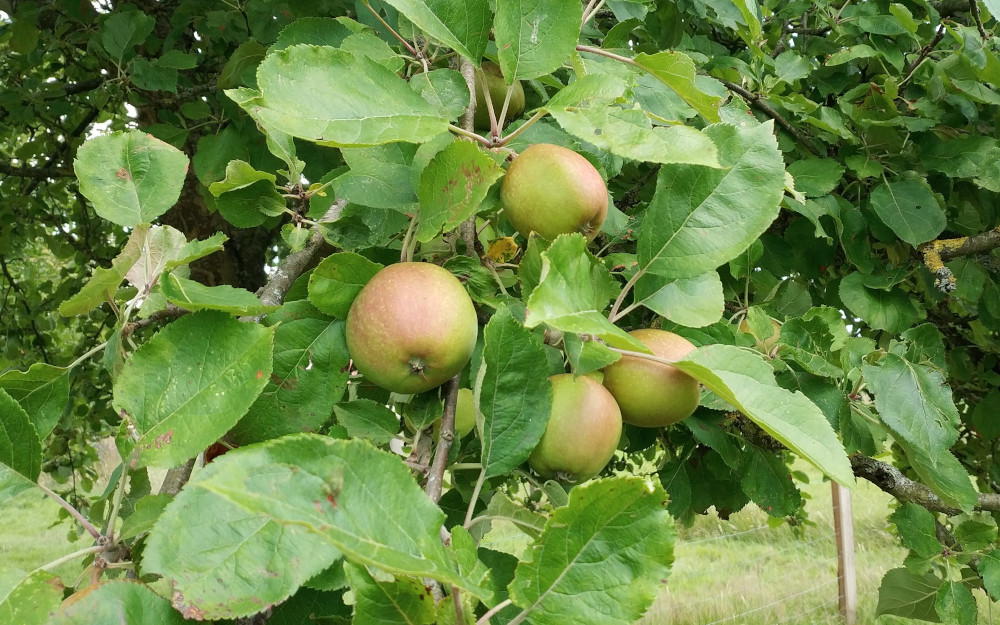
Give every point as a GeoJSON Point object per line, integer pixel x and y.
{"type": "Point", "coordinates": [829, 165]}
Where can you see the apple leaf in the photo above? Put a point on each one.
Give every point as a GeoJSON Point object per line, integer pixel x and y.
{"type": "Point", "coordinates": [283, 511]}
{"type": "Point", "coordinates": [120, 601]}
{"type": "Point", "coordinates": [379, 176]}
{"type": "Point", "coordinates": [131, 177]}
{"type": "Point", "coordinates": [20, 448]}
{"type": "Point", "coordinates": [890, 309]}
{"type": "Point", "coordinates": [191, 295]}
{"type": "Point", "coordinates": [32, 601]}
{"type": "Point", "coordinates": [309, 376]}
{"type": "Point", "coordinates": [337, 280]}
{"type": "Point", "coordinates": [909, 595]}
{"type": "Point", "coordinates": [956, 604]}
{"type": "Point", "coordinates": [535, 37]}
{"type": "Point", "coordinates": [512, 392]}
{"type": "Point", "coordinates": [915, 525]}
{"type": "Point", "coordinates": [367, 419]}
{"type": "Point", "coordinates": [379, 600]}
{"type": "Point", "coordinates": [445, 89]}
{"type": "Point", "coordinates": [619, 524]}
{"type": "Point", "coordinates": [700, 218]}
{"type": "Point", "coordinates": [103, 284]}
{"type": "Point", "coordinates": [189, 384]}
{"type": "Point", "coordinates": [42, 391]}
{"type": "Point", "coordinates": [452, 187]}
{"type": "Point", "coordinates": [574, 288]}
{"type": "Point", "coordinates": [693, 302]}
{"type": "Point", "coordinates": [352, 101]}
{"type": "Point", "coordinates": [677, 71]}
{"type": "Point", "coordinates": [161, 244]}
{"type": "Point", "coordinates": [910, 209]}
{"type": "Point", "coordinates": [629, 133]}
{"type": "Point", "coordinates": [462, 26]}
{"type": "Point", "coordinates": [743, 379]}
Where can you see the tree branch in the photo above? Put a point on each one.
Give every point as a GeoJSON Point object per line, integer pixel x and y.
{"type": "Point", "coordinates": [924, 52]}
{"type": "Point", "coordinates": [939, 251]}
{"type": "Point", "coordinates": [446, 437]}
{"type": "Point", "coordinates": [891, 480]}
{"type": "Point", "coordinates": [759, 103]}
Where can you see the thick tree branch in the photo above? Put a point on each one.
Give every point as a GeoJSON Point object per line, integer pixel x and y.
{"type": "Point", "coordinates": [891, 480]}
{"type": "Point", "coordinates": [446, 437]}
{"type": "Point", "coordinates": [759, 103]}
{"type": "Point", "coordinates": [936, 253]}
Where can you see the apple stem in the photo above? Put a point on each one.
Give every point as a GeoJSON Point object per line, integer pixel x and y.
{"type": "Point", "coordinates": [416, 53]}
{"type": "Point", "coordinates": [475, 497]}
{"type": "Point", "coordinates": [629, 352]}
{"type": "Point", "coordinates": [615, 315]}
{"type": "Point", "coordinates": [591, 11]}
{"type": "Point", "coordinates": [485, 618]}
{"type": "Point", "coordinates": [531, 120]}
{"type": "Point", "coordinates": [470, 135]}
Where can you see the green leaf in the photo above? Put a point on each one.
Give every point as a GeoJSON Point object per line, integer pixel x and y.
{"type": "Point", "coordinates": [701, 218]}
{"type": "Point", "coordinates": [535, 37]}
{"type": "Point", "coordinates": [989, 568]}
{"type": "Point", "coordinates": [853, 53]}
{"type": "Point", "coordinates": [816, 177]}
{"type": "Point", "coordinates": [888, 310]}
{"type": "Point", "coordinates": [453, 186]}
{"type": "Point", "coordinates": [574, 288]}
{"type": "Point", "coordinates": [959, 158]}
{"type": "Point", "coordinates": [124, 30]}
{"type": "Point", "coordinates": [513, 393]}
{"type": "Point", "coordinates": [42, 391]}
{"type": "Point", "coordinates": [353, 101]}
{"type": "Point", "coordinates": [677, 71]}
{"type": "Point", "coordinates": [283, 511]}
{"type": "Point", "coordinates": [916, 529]}
{"type": "Point", "coordinates": [130, 177]}
{"type": "Point", "coordinates": [32, 601]}
{"type": "Point", "coordinates": [742, 378]}
{"type": "Point", "coordinates": [445, 90]}
{"type": "Point", "coordinates": [239, 175]}
{"type": "Point", "coordinates": [910, 209]}
{"type": "Point", "coordinates": [152, 76]}
{"type": "Point", "coordinates": [768, 482]}
{"type": "Point", "coordinates": [380, 176]}
{"type": "Point", "coordinates": [628, 133]}
{"type": "Point", "coordinates": [166, 248]}
{"type": "Point", "coordinates": [189, 384]}
{"type": "Point", "coordinates": [371, 420]}
{"type": "Point", "coordinates": [121, 602]}
{"type": "Point", "coordinates": [402, 601]}
{"type": "Point", "coordinates": [309, 376]}
{"type": "Point", "coordinates": [102, 285]}
{"type": "Point", "coordinates": [693, 302]}
{"type": "Point", "coordinates": [956, 605]}
{"type": "Point", "coordinates": [461, 26]}
{"type": "Point", "coordinates": [908, 595]}
{"type": "Point", "coordinates": [944, 474]}
{"type": "Point", "coordinates": [239, 69]}
{"type": "Point", "coordinates": [587, 356]}
{"type": "Point", "coordinates": [193, 296]}
{"type": "Point", "coordinates": [20, 448]}
{"type": "Point", "coordinates": [618, 524]}
{"type": "Point", "coordinates": [250, 206]}
{"type": "Point", "coordinates": [337, 280]}
{"type": "Point", "coordinates": [790, 66]}
{"type": "Point", "coordinates": [147, 510]}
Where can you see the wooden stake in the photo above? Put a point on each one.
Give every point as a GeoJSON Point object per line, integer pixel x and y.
{"type": "Point", "coordinates": [843, 523]}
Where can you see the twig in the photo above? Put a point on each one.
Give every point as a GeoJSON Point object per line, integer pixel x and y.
{"type": "Point", "coordinates": [493, 611]}
{"type": "Point", "coordinates": [468, 134]}
{"type": "Point", "coordinates": [416, 53]}
{"type": "Point", "coordinates": [170, 312]}
{"type": "Point", "coordinates": [974, 8]}
{"type": "Point", "coordinates": [87, 525]}
{"type": "Point", "coordinates": [446, 436]}
{"type": "Point", "coordinates": [762, 105]}
{"type": "Point", "coordinates": [456, 600]}
{"type": "Point", "coordinates": [891, 480]}
{"type": "Point", "coordinates": [938, 251]}
{"type": "Point", "coordinates": [924, 53]}
{"type": "Point", "coordinates": [71, 556]}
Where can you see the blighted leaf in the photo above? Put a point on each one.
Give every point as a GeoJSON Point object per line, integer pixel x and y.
{"type": "Point", "coordinates": [20, 448]}
{"type": "Point", "coordinates": [573, 290]}
{"type": "Point", "coordinates": [191, 295]}
{"type": "Point", "coordinates": [103, 284]}
{"type": "Point", "coordinates": [461, 26]}
{"type": "Point", "coordinates": [453, 186]}
{"type": "Point", "coordinates": [189, 384]}
{"type": "Point", "coordinates": [618, 524]}
{"type": "Point", "coordinates": [309, 376]}
{"type": "Point", "coordinates": [42, 391]}
{"type": "Point", "coordinates": [513, 393]}
{"type": "Point", "coordinates": [377, 600]}
{"type": "Point", "coordinates": [32, 601]}
{"type": "Point", "coordinates": [908, 595]}
{"type": "Point", "coordinates": [692, 302]}
{"type": "Point", "coordinates": [120, 601]}
{"type": "Point", "coordinates": [746, 381]}
{"type": "Point", "coordinates": [291, 506]}
{"type": "Point", "coordinates": [535, 37]}
{"type": "Point", "coordinates": [336, 281]}
{"type": "Point", "coordinates": [131, 177]}
{"type": "Point", "coordinates": [353, 101]}
{"type": "Point", "coordinates": [700, 218]}
{"type": "Point", "coordinates": [677, 71]}
{"type": "Point", "coordinates": [910, 209]}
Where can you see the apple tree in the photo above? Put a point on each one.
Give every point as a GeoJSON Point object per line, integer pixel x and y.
{"type": "Point", "coordinates": [277, 250]}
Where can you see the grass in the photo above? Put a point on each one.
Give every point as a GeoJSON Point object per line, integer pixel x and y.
{"type": "Point", "coordinates": [741, 572]}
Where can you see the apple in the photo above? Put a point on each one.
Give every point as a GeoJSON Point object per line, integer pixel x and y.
{"type": "Point", "coordinates": [767, 344]}
{"type": "Point", "coordinates": [552, 190]}
{"type": "Point", "coordinates": [489, 78]}
{"type": "Point", "coordinates": [653, 394]}
{"type": "Point", "coordinates": [411, 328]}
{"type": "Point", "coordinates": [582, 433]}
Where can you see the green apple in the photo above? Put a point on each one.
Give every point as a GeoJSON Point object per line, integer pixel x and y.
{"type": "Point", "coordinates": [490, 79]}
{"type": "Point", "coordinates": [411, 328]}
{"type": "Point", "coordinates": [552, 190]}
{"type": "Point", "coordinates": [653, 394]}
{"type": "Point", "coordinates": [582, 433]}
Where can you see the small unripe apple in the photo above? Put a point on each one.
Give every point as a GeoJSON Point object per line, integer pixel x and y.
{"type": "Point", "coordinates": [411, 328]}
{"type": "Point", "coordinates": [582, 433]}
{"type": "Point", "coordinates": [653, 394]}
{"type": "Point", "coordinates": [552, 190]}
{"type": "Point", "coordinates": [490, 79]}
